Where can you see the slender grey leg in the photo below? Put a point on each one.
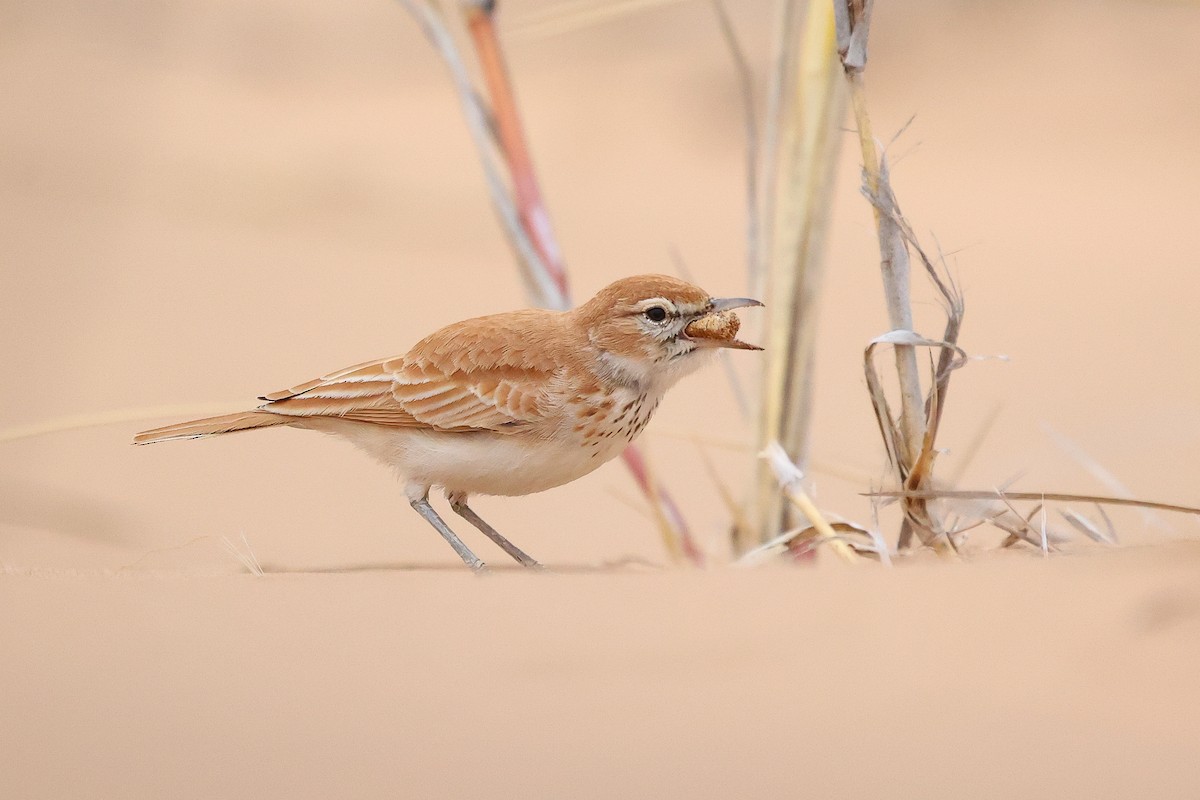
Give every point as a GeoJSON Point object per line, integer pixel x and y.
{"type": "Point", "coordinates": [421, 504]}
{"type": "Point", "coordinates": [459, 504]}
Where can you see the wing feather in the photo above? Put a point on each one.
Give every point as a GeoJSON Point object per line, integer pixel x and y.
{"type": "Point", "coordinates": [490, 373]}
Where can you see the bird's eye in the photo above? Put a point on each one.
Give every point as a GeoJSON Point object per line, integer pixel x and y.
{"type": "Point", "coordinates": [656, 313]}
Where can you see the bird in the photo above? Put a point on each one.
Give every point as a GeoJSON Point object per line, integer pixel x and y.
{"type": "Point", "coordinates": [507, 404]}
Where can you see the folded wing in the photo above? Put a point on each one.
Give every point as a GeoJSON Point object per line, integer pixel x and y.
{"type": "Point", "coordinates": [476, 375]}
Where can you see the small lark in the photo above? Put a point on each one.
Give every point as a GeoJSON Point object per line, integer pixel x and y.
{"type": "Point", "coordinates": [508, 404]}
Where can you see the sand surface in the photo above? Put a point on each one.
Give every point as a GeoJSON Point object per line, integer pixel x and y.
{"type": "Point", "coordinates": [204, 201]}
{"type": "Point", "coordinates": [1072, 678]}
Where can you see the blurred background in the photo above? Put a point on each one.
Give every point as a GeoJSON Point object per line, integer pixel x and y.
{"type": "Point", "coordinates": [204, 201]}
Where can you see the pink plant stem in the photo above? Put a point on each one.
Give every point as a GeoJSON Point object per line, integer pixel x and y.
{"type": "Point", "coordinates": [637, 467]}
{"type": "Point", "coordinates": [532, 209]}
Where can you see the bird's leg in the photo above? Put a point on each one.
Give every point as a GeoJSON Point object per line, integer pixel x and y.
{"type": "Point", "coordinates": [421, 504]}
{"type": "Point", "coordinates": [458, 502]}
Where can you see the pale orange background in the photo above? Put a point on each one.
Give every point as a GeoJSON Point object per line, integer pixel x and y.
{"type": "Point", "coordinates": [204, 201]}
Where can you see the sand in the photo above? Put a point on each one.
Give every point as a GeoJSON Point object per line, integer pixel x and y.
{"type": "Point", "coordinates": [204, 201]}
{"type": "Point", "coordinates": [1066, 678]}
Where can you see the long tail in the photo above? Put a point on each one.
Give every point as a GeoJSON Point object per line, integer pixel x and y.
{"type": "Point", "coordinates": [242, 421]}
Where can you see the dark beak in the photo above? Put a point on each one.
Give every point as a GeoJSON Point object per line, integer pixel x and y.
{"type": "Point", "coordinates": [730, 303]}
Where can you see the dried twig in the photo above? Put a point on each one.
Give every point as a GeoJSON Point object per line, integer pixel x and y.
{"type": "Point", "coordinates": [953, 302]}
{"type": "Point", "coordinates": [801, 542]}
{"type": "Point", "coordinates": [1036, 538]}
{"type": "Point", "coordinates": [920, 473]}
{"type": "Point", "coordinates": [910, 441]}
{"type": "Point", "coordinates": [853, 24]}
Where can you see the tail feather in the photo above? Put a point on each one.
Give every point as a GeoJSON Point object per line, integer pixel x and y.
{"type": "Point", "coordinates": [229, 423]}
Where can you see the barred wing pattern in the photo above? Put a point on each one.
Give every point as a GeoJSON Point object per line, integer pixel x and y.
{"type": "Point", "coordinates": [482, 375]}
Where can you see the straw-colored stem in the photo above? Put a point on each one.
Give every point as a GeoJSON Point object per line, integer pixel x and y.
{"type": "Point", "coordinates": [894, 267]}
{"type": "Point", "coordinates": [808, 146]}
{"type": "Point", "coordinates": [809, 509]}
{"type": "Point", "coordinates": [750, 121]}
{"type": "Point", "coordinates": [783, 61]}
{"type": "Point", "coordinates": [73, 422]}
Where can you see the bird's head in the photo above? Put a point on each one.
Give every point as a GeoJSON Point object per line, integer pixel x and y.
{"type": "Point", "coordinates": [655, 328]}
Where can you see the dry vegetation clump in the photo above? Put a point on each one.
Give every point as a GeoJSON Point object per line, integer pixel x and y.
{"type": "Point", "coordinates": [818, 64]}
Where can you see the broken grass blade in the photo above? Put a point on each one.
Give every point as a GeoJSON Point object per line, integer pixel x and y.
{"type": "Point", "coordinates": [1088, 528]}
{"type": "Point", "coordinates": [245, 557]}
{"type": "Point", "coordinates": [789, 478]}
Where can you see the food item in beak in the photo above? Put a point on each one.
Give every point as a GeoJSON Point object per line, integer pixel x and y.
{"type": "Point", "coordinates": [719, 329]}
{"type": "Point", "coordinates": [721, 325]}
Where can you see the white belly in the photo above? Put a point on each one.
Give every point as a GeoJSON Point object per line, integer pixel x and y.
{"type": "Point", "coordinates": [478, 462]}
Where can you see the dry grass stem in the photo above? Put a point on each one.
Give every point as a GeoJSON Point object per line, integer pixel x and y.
{"type": "Point", "coordinates": [531, 210]}
{"type": "Point", "coordinates": [750, 121]}
{"type": "Point", "coordinates": [903, 338]}
{"type": "Point", "coordinates": [737, 512]}
{"type": "Point", "coordinates": [864, 543]}
{"type": "Point", "coordinates": [539, 283]}
{"type": "Point", "coordinates": [790, 481]}
{"type": "Point", "coordinates": [677, 537]}
{"type": "Point", "coordinates": [1100, 473]}
{"type": "Point", "coordinates": [1064, 497]}
{"type": "Point", "coordinates": [244, 555]}
{"type": "Point", "coordinates": [910, 437]}
{"type": "Point", "coordinates": [116, 416]}
{"type": "Point", "coordinates": [895, 270]}
{"type": "Point", "coordinates": [800, 542]}
{"type": "Point", "coordinates": [731, 375]}
{"type": "Point", "coordinates": [783, 58]}
{"type": "Point", "coordinates": [1032, 535]}
{"type": "Point", "coordinates": [1088, 528]}
{"type": "Point", "coordinates": [805, 125]}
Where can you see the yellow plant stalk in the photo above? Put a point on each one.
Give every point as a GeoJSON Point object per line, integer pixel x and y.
{"type": "Point", "coordinates": [809, 147]}
{"type": "Point", "coordinates": [789, 479]}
